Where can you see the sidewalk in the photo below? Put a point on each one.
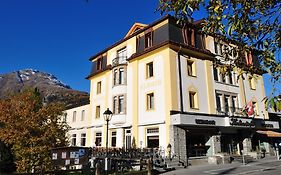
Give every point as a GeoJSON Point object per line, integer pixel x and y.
{"type": "Point", "coordinates": [233, 168]}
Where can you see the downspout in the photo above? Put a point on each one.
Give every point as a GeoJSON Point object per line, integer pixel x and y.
{"type": "Point", "coordinates": [180, 81]}
{"type": "Point", "coordinates": [181, 109]}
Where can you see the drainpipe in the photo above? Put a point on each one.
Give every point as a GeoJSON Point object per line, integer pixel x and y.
{"type": "Point", "coordinates": [180, 81]}
{"type": "Point", "coordinates": [181, 106]}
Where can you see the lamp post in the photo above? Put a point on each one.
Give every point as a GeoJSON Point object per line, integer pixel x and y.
{"type": "Point", "coordinates": [107, 117]}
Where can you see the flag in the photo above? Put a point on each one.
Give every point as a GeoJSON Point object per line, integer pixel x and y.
{"type": "Point", "coordinates": [250, 109]}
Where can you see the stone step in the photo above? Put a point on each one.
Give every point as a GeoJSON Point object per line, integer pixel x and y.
{"type": "Point", "coordinates": [174, 164]}
{"type": "Point", "coordinates": [247, 159]}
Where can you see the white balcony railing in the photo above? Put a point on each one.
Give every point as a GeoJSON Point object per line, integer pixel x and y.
{"type": "Point", "coordinates": [119, 60]}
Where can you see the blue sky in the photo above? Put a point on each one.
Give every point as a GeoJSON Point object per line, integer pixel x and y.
{"type": "Point", "coordinates": [59, 36]}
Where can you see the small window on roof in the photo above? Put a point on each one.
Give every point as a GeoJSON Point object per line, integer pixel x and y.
{"type": "Point", "coordinates": [148, 40]}
{"type": "Point", "coordinates": [99, 63]}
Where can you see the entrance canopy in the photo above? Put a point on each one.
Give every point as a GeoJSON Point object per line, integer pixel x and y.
{"type": "Point", "coordinates": [269, 133]}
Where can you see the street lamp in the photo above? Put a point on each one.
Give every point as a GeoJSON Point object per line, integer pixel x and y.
{"type": "Point", "coordinates": [107, 117]}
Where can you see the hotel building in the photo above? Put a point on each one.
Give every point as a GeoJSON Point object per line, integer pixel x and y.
{"type": "Point", "coordinates": [163, 88]}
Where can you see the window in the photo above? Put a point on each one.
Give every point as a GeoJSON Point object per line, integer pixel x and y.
{"type": "Point", "coordinates": [221, 48]}
{"type": "Point", "coordinates": [252, 83]}
{"type": "Point", "coordinates": [128, 141]}
{"type": "Point", "coordinates": [188, 35]}
{"type": "Point", "coordinates": [149, 70]}
{"type": "Point", "coordinates": [229, 76]}
{"type": "Point", "coordinates": [73, 140]}
{"type": "Point", "coordinates": [249, 59]}
{"type": "Point", "coordinates": [115, 105]}
{"type": "Point", "coordinates": [226, 78]}
{"type": "Point", "coordinates": [218, 101]}
{"type": "Point", "coordinates": [98, 138]}
{"type": "Point", "coordinates": [83, 139]}
{"type": "Point", "coordinates": [83, 115]}
{"type": "Point", "coordinates": [113, 138]}
{"type": "Point", "coordinates": [234, 78]}
{"type": "Point", "coordinates": [115, 73]}
{"type": "Point", "coordinates": [99, 87]}
{"type": "Point", "coordinates": [226, 103]}
{"type": "Point", "coordinates": [122, 55]}
{"type": "Point", "coordinates": [216, 47]}
{"type": "Point", "coordinates": [119, 104]}
{"type": "Point", "coordinates": [99, 64]}
{"type": "Point", "coordinates": [121, 76]}
{"type": "Point", "coordinates": [223, 78]}
{"type": "Point", "coordinates": [190, 68]}
{"type": "Point", "coordinates": [215, 71]}
{"type": "Point", "coordinates": [74, 116]}
{"type": "Point", "coordinates": [152, 135]}
{"type": "Point", "coordinates": [150, 101]}
{"type": "Point", "coordinates": [193, 100]}
{"type": "Point", "coordinates": [97, 112]}
{"type": "Point", "coordinates": [234, 104]}
{"type": "Point", "coordinates": [148, 40]}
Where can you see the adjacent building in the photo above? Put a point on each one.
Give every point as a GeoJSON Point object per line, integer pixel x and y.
{"type": "Point", "coordinates": [79, 120]}
{"type": "Point", "coordinates": [163, 88]}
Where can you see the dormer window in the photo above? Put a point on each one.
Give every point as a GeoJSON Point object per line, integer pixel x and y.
{"type": "Point", "coordinates": [99, 63]}
{"type": "Point", "coordinates": [148, 40]}
{"type": "Point", "coordinates": [249, 59]}
{"type": "Point", "coordinates": [137, 29]}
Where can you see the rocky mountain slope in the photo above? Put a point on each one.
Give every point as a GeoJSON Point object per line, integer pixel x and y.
{"type": "Point", "coordinates": [51, 89]}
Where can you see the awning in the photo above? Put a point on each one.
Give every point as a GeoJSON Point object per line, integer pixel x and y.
{"type": "Point", "coordinates": [269, 133]}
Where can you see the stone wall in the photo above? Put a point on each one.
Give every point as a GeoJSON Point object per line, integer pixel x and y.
{"type": "Point", "coordinates": [178, 143]}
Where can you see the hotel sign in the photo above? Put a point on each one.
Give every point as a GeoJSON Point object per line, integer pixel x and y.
{"type": "Point", "coordinates": [186, 119]}
{"type": "Point", "coordinates": [239, 122]}
{"type": "Point", "coordinates": [205, 122]}
{"type": "Point", "coordinates": [189, 119]}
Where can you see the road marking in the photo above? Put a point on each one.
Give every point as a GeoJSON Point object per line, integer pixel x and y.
{"type": "Point", "coordinates": [214, 171]}
{"type": "Point", "coordinates": [217, 171]}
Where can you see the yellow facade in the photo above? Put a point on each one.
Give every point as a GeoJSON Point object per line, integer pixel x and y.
{"type": "Point", "coordinates": [169, 82]}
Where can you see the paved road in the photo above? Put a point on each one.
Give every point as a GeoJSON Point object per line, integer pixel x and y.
{"type": "Point", "coordinates": [260, 167]}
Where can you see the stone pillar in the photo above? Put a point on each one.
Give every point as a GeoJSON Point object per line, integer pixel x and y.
{"type": "Point", "coordinates": [216, 144]}
{"type": "Point", "coordinates": [247, 145]}
{"type": "Point", "coordinates": [178, 143]}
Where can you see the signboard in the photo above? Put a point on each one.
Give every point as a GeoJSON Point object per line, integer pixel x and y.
{"type": "Point", "coordinates": [66, 156]}
{"type": "Point", "coordinates": [205, 122]}
{"type": "Point", "coordinates": [241, 122]}
{"type": "Point", "coordinates": [190, 119]}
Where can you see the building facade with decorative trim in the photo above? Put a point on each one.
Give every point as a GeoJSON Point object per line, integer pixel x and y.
{"type": "Point", "coordinates": [162, 87]}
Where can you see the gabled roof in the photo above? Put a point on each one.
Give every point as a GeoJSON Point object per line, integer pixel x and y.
{"type": "Point", "coordinates": [130, 36]}
{"type": "Point", "coordinates": [135, 27]}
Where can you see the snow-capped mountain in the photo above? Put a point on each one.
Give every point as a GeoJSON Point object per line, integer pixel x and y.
{"type": "Point", "coordinates": [50, 87]}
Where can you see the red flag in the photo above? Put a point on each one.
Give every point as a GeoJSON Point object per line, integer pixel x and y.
{"type": "Point", "coordinates": [250, 109]}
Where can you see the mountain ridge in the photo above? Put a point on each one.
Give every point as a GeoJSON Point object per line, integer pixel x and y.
{"type": "Point", "coordinates": [49, 86]}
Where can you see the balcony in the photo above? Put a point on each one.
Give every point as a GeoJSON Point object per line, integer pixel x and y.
{"type": "Point", "coordinates": [230, 111]}
{"type": "Point", "coordinates": [119, 60]}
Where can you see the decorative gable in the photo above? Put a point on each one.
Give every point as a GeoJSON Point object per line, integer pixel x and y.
{"type": "Point", "coordinates": [135, 28]}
